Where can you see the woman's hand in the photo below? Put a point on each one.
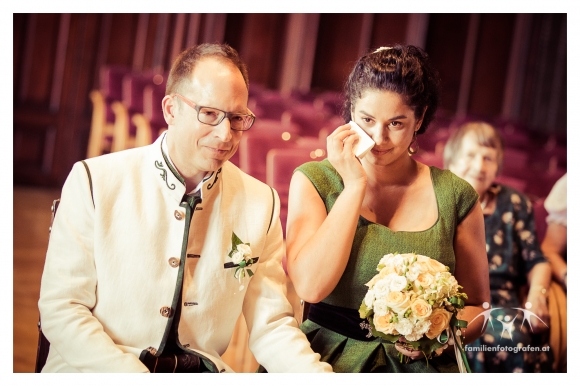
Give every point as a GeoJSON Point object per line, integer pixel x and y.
{"type": "Point", "coordinates": [340, 145]}
{"type": "Point", "coordinates": [539, 306]}
{"type": "Point", "coordinates": [412, 354]}
{"type": "Point", "coordinates": [416, 354]}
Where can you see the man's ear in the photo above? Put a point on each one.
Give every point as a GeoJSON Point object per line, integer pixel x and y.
{"type": "Point", "coordinates": [168, 106]}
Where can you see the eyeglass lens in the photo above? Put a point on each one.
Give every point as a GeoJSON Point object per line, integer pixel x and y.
{"type": "Point", "coordinates": [211, 116]}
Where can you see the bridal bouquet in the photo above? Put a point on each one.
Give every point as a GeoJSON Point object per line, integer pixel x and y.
{"type": "Point", "coordinates": [414, 300]}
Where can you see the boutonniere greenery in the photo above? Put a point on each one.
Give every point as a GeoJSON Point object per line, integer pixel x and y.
{"type": "Point", "coordinates": [241, 255]}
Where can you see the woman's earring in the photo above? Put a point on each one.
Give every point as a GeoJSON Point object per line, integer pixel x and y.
{"type": "Point", "coordinates": [413, 143]}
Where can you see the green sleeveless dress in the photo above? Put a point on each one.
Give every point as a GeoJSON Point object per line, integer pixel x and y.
{"type": "Point", "coordinates": [455, 198]}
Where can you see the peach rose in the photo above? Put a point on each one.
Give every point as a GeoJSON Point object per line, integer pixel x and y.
{"type": "Point", "coordinates": [424, 280]}
{"type": "Point", "coordinates": [398, 301]}
{"type": "Point", "coordinates": [383, 323]}
{"type": "Point", "coordinates": [420, 308]}
{"type": "Point", "coordinates": [439, 321]}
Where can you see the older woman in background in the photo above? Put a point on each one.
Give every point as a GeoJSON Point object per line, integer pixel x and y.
{"type": "Point", "coordinates": [518, 272]}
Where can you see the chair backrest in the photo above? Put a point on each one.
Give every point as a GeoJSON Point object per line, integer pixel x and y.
{"type": "Point", "coordinates": [43, 343]}
{"type": "Point", "coordinates": [280, 165]}
{"type": "Point", "coordinates": [253, 149]}
{"type": "Point", "coordinates": [540, 214]}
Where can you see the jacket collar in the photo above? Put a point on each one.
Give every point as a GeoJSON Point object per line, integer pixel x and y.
{"type": "Point", "coordinates": [172, 181]}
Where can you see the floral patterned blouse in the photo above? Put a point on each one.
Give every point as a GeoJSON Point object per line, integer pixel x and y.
{"type": "Point", "coordinates": [512, 247]}
{"type": "Point", "coordinates": [512, 252]}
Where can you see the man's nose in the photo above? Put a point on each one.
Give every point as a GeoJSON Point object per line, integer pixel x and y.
{"type": "Point", "coordinates": [224, 130]}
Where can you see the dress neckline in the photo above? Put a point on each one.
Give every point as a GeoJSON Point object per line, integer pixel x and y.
{"type": "Point", "coordinates": [434, 184]}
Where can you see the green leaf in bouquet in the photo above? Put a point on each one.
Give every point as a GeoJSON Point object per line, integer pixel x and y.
{"type": "Point", "coordinates": [250, 273]}
{"type": "Point", "coordinates": [428, 346]}
{"type": "Point", "coordinates": [364, 312]}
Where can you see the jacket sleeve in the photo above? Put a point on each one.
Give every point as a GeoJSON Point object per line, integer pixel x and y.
{"type": "Point", "coordinates": [68, 287]}
{"type": "Point", "coordinates": [275, 339]}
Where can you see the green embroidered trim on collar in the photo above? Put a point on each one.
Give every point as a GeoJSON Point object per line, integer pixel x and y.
{"type": "Point", "coordinates": [175, 173]}
{"type": "Point", "coordinates": [159, 165]}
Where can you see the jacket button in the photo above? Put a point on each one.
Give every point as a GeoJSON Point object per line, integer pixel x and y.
{"type": "Point", "coordinates": [174, 262]}
{"type": "Point", "coordinates": [165, 311]}
{"type": "Point", "coordinates": [178, 215]}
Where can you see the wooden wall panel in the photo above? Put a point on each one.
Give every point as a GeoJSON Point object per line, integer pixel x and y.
{"type": "Point", "coordinates": [389, 29]}
{"type": "Point", "coordinates": [446, 39]}
{"type": "Point", "coordinates": [542, 68]}
{"type": "Point", "coordinates": [122, 39]}
{"type": "Point", "coordinates": [263, 32]}
{"type": "Point", "coordinates": [491, 64]}
{"type": "Point", "coordinates": [38, 59]}
{"type": "Point", "coordinates": [337, 49]}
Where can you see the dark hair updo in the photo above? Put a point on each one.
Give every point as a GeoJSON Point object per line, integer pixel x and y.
{"type": "Point", "coordinates": [405, 70]}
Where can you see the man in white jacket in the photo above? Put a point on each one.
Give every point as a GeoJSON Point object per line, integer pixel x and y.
{"type": "Point", "coordinates": [156, 251]}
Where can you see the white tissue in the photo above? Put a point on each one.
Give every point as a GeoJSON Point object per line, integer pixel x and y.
{"type": "Point", "coordinates": [364, 144]}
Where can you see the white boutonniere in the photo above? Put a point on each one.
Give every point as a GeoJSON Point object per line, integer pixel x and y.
{"type": "Point", "coordinates": [241, 255]}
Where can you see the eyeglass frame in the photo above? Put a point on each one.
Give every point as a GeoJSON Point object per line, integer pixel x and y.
{"type": "Point", "coordinates": [227, 114]}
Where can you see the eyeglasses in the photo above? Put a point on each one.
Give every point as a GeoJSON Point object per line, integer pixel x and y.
{"type": "Point", "coordinates": [213, 117]}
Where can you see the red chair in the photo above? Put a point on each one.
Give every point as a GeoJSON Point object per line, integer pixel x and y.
{"type": "Point", "coordinates": [308, 118]}
{"type": "Point", "coordinates": [268, 105]}
{"type": "Point", "coordinates": [540, 214]}
{"type": "Point", "coordinates": [330, 101]}
{"type": "Point", "coordinates": [126, 130]}
{"type": "Point", "coordinates": [280, 165]}
{"type": "Point", "coordinates": [151, 123]}
{"type": "Point", "coordinates": [103, 119]}
{"type": "Point", "coordinates": [254, 147]}
{"type": "Point", "coordinates": [111, 80]}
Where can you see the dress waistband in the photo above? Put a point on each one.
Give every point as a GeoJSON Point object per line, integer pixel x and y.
{"type": "Point", "coordinates": [344, 321]}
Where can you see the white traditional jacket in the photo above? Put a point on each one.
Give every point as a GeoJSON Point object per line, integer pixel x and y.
{"type": "Point", "coordinates": [121, 250]}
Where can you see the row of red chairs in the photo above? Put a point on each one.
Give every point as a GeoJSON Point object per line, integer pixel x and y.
{"type": "Point", "coordinates": [126, 109]}
{"type": "Point", "coordinates": [127, 113]}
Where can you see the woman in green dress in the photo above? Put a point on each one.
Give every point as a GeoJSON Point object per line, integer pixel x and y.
{"type": "Point", "coordinates": [345, 214]}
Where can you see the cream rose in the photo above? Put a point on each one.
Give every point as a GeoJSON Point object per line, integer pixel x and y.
{"type": "Point", "coordinates": [420, 308]}
{"type": "Point", "coordinates": [369, 299]}
{"type": "Point", "coordinates": [436, 266]}
{"type": "Point", "coordinates": [404, 326]}
{"type": "Point", "coordinates": [439, 321]}
{"type": "Point", "coordinates": [398, 283]}
{"type": "Point", "coordinates": [398, 301]}
{"type": "Point", "coordinates": [237, 257]}
{"type": "Point", "coordinates": [424, 280]}
{"type": "Point", "coordinates": [245, 250]}
{"type": "Point", "coordinates": [383, 323]}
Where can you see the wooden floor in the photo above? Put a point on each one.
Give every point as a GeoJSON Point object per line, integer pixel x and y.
{"type": "Point", "coordinates": [31, 213]}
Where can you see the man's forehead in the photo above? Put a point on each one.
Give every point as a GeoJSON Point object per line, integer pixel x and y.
{"type": "Point", "coordinates": [213, 67]}
{"type": "Point", "coordinates": [213, 79]}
